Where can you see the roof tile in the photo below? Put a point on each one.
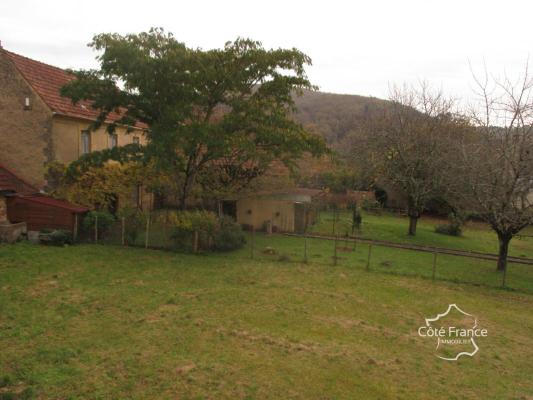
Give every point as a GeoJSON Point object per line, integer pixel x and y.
{"type": "Point", "coordinates": [47, 81]}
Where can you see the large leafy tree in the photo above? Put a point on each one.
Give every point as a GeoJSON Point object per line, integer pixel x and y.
{"type": "Point", "coordinates": [215, 117]}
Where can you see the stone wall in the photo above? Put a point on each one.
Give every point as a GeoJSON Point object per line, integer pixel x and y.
{"type": "Point", "coordinates": [25, 133]}
{"type": "Point", "coordinates": [3, 209]}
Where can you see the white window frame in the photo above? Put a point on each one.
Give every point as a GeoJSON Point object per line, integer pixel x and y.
{"type": "Point", "coordinates": [85, 142]}
{"type": "Point", "coordinates": [113, 140]}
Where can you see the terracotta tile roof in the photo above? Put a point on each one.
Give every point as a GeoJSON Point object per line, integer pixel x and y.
{"type": "Point", "coordinates": [47, 80]}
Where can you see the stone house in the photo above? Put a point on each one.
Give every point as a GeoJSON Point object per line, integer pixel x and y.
{"type": "Point", "coordinates": [38, 125]}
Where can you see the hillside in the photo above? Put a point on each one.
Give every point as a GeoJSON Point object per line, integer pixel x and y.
{"type": "Point", "coordinates": [336, 117]}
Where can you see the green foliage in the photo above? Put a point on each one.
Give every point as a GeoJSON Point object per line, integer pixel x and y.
{"type": "Point", "coordinates": [98, 159]}
{"type": "Point", "coordinates": [55, 237]}
{"type": "Point", "coordinates": [135, 222]}
{"type": "Point", "coordinates": [371, 205]}
{"type": "Point", "coordinates": [105, 222]}
{"type": "Point", "coordinates": [357, 218]}
{"type": "Point", "coordinates": [228, 235]}
{"type": "Point", "coordinates": [337, 182]}
{"type": "Point", "coordinates": [186, 223]}
{"type": "Point", "coordinates": [455, 225]}
{"type": "Point", "coordinates": [214, 233]}
{"type": "Point", "coordinates": [217, 117]}
{"type": "Point", "coordinates": [449, 229]}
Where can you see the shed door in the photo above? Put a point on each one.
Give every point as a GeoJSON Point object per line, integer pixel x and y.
{"type": "Point", "coordinates": [299, 217]}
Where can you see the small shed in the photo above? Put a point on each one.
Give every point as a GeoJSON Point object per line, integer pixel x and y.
{"type": "Point", "coordinates": [43, 212]}
{"type": "Point", "coordinates": [11, 183]}
{"type": "Point", "coordinates": [281, 211]}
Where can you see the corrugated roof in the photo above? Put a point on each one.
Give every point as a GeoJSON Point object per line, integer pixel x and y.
{"type": "Point", "coordinates": [10, 181]}
{"type": "Point", "coordinates": [49, 201]}
{"type": "Point", "coordinates": [47, 81]}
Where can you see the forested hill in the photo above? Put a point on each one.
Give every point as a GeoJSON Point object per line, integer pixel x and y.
{"type": "Point", "coordinates": [337, 117]}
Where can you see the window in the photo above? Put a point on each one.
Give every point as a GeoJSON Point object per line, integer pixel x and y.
{"type": "Point", "coordinates": [85, 142]}
{"type": "Point", "coordinates": [113, 140]}
{"type": "Point", "coordinates": [136, 140]}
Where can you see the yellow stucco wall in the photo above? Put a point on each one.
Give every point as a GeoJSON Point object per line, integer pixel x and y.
{"type": "Point", "coordinates": [280, 212]}
{"type": "Point", "coordinates": [66, 138]}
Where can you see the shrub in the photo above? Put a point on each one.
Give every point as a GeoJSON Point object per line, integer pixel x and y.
{"type": "Point", "coordinates": [55, 237]}
{"type": "Point", "coordinates": [449, 229]}
{"type": "Point", "coordinates": [186, 223]}
{"type": "Point", "coordinates": [357, 219]}
{"type": "Point", "coordinates": [453, 227]}
{"type": "Point", "coordinates": [135, 222]}
{"type": "Point", "coordinates": [371, 206]}
{"type": "Point", "coordinates": [222, 234]}
{"type": "Point", "coordinates": [105, 222]}
{"type": "Point", "coordinates": [228, 235]}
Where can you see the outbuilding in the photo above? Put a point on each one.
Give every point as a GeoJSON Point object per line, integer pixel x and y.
{"type": "Point", "coordinates": [42, 212]}
{"type": "Point", "coordinates": [291, 210]}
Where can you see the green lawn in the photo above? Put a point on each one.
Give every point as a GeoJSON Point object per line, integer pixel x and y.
{"type": "Point", "coordinates": [476, 236]}
{"type": "Point", "coordinates": [108, 322]}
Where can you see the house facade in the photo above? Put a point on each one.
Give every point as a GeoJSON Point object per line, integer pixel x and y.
{"type": "Point", "coordinates": [38, 125]}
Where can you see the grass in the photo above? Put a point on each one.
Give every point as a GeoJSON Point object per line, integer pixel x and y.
{"type": "Point", "coordinates": [476, 236]}
{"type": "Point", "coordinates": [100, 322]}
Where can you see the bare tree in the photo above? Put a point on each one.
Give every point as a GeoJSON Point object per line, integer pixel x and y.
{"type": "Point", "coordinates": [497, 167]}
{"type": "Point", "coordinates": [410, 145]}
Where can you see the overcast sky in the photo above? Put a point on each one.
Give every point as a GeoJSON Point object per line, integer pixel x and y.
{"type": "Point", "coordinates": [357, 47]}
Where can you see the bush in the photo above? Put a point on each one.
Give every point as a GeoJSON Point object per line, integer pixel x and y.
{"type": "Point", "coordinates": [55, 237]}
{"type": "Point", "coordinates": [454, 227]}
{"type": "Point", "coordinates": [222, 234]}
{"type": "Point", "coordinates": [228, 235]}
{"type": "Point", "coordinates": [186, 223]}
{"type": "Point", "coordinates": [105, 222]}
{"type": "Point", "coordinates": [357, 219]}
{"type": "Point", "coordinates": [449, 229]}
{"type": "Point", "coordinates": [135, 222]}
{"type": "Point", "coordinates": [373, 206]}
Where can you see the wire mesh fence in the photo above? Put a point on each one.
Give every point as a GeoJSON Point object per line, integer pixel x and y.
{"type": "Point", "coordinates": [158, 231]}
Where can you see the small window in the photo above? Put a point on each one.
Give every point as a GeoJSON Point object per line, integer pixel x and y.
{"type": "Point", "coordinates": [85, 142]}
{"type": "Point", "coordinates": [113, 141]}
{"type": "Point", "coordinates": [136, 140]}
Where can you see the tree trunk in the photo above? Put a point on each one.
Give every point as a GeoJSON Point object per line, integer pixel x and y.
{"type": "Point", "coordinates": [183, 199]}
{"type": "Point", "coordinates": [413, 219]}
{"type": "Point", "coordinates": [189, 181]}
{"type": "Point", "coordinates": [503, 251]}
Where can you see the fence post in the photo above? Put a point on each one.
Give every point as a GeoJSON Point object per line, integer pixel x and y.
{"type": "Point", "coordinates": [335, 251]}
{"type": "Point", "coordinates": [75, 232]}
{"type": "Point", "coordinates": [334, 220]}
{"type": "Point", "coordinates": [96, 229]}
{"type": "Point", "coordinates": [305, 248]}
{"type": "Point", "coordinates": [147, 231]}
{"type": "Point", "coordinates": [195, 242]}
{"type": "Point", "coordinates": [252, 242]}
{"type": "Point", "coordinates": [369, 255]}
{"type": "Point", "coordinates": [434, 265]}
{"type": "Point", "coordinates": [123, 231]}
